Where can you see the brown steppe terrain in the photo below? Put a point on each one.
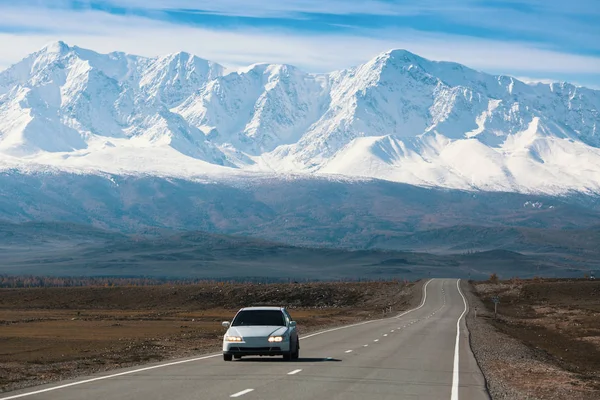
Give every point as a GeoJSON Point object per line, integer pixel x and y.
{"type": "Point", "coordinates": [50, 334]}
{"type": "Point", "coordinates": [546, 338]}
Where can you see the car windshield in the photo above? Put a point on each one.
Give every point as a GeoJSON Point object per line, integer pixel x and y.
{"type": "Point", "coordinates": [259, 317]}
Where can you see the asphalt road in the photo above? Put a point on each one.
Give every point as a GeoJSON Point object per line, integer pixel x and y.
{"type": "Point", "coordinates": [415, 355]}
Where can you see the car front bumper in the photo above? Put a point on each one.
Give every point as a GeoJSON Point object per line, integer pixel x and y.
{"type": "Point", "coordinates": [263, 348]}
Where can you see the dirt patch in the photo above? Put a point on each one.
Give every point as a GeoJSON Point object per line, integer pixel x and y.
{"type": "Point", "coordinates": [558, 321]}
{"type": "Point", "coordinates": [50, 334]}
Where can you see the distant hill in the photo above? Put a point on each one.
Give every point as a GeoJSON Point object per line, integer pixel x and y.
{"type": "Point", "coordinates": [75, 250]}
{"type": "Point", "coordinates": [465, 238]}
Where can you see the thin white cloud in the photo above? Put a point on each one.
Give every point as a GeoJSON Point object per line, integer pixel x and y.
{"type": "Point", "coordinates": [30, 20]}
{"type": "Point", "coordinates": [247, 8]}
{"type": "Point", "coordinates": [345, 7]}
{"type": "Point", "coordinates": [315, 53]}
{"type": "Point", "coordinates": [276, 8]}
{"type": "Point", "coordinates": [526, 17]}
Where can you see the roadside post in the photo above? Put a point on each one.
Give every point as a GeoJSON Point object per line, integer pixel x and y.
{"type": "Point", "coordinates": [496, 300]}
{"type": "Point", "coordinates": [475, 312]}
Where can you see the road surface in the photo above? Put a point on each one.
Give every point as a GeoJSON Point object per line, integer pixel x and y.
{"type": "Point", "coordinates": [417, 354]}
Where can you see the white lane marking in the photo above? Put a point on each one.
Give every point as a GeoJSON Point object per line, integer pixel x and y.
{"type": "Point", "coordinates": [376, 340]}
{"type": "Point", "coordinates": [422, 302]}
{"type": "Point", "coordinates": [365, 345]}
{"type": "Point", "coordinates": [294, 372]}
{"type": "Point", "coordinates": [243, 392]}
{"type": "Point", "coordinates": [373, 320]}
{"type": "Point", "coordinates": [110, 376]}
{"type": "Point", "coordinates": [348, 351]}
{"type": "Point", "coordinates": [392, 331]}
{"type": "Point", "coordinates": [385, 334]}
{"type": "Point", "coordinates": [456, 348]}
{"type": "Point", "coordinates": [203, 358]}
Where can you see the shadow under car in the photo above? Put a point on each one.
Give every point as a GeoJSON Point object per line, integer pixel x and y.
{"type": "Point", "coordinates": [278, 359]}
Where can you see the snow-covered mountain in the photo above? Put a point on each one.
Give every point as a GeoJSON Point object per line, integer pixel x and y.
{"type": "Point", "coordinates": [398, 117]}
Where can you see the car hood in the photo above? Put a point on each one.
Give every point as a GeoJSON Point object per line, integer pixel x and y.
{"type": "Point", "coordinates": [256, 331]}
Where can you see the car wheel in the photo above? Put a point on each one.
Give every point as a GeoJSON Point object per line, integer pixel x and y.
{"type": "Point", "coordinates": [296, 354]}
{"type": "Point", "coordinates": [227, 357]}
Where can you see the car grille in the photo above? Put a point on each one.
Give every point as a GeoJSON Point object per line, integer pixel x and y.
{"type": "Point", "coordinates": [255, 348]}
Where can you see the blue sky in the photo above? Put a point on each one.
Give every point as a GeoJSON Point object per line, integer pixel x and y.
{"type": "Point", "coordinates": [534, 39]}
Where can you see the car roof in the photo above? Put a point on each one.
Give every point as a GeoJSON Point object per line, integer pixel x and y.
{"type": "Point", "coordinates": [261, 308]}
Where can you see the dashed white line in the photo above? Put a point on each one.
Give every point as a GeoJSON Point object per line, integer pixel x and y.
{"type": "Point", "coordinates": [385, 334]}
{"type": "Point", "coordinates": [348, 351]}
{"type": "Point", "coordinates": [243, 392]}
{"type": "Point", "coordinates": [392, 331]}
{"type": "Point", "coordinates": [374, 320]}
{"type": "Point", "coordinates": [376, 340]}
{"type": "Point", "coordinates": [294, 372]}
{"type": "Point", "coordinates": [365, 345]}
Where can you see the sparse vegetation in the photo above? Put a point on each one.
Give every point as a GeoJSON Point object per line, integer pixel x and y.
{"type": "Point", "coordinates": [560, 320]}
{"type": "Point", "coordinates": [493, 278]}
{"type": "Point", "coordinates": [31, 281]}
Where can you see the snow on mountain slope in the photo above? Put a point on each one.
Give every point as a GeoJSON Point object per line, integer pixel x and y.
{"type": "Point", "coordinates": [527, 162]}
{"type": "Point", "coordinates": [173, 78]}
{"type": "Point", "coordinates": [61, 98]}
{"type": "Point", "coordinates": [397, 117]}
{"type": "Point", "coordinates": [258, 108]}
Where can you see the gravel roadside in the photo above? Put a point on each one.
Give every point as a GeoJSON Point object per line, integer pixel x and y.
{"type": "Point", "coordinates": [514, 371]}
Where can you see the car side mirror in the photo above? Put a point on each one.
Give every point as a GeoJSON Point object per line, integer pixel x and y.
{"type": "Point", "coordinates": [292, 323]}
{"type": "Point", "coordinates": [225, 324]}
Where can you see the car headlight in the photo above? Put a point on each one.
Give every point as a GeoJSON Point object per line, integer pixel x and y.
{"type": "Point", "coordinates": [276, 339]}
{"type": "Point", "coordinates": [233, 339]}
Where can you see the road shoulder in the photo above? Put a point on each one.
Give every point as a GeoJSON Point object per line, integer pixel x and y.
{"type": "Point", "coordinates": [511, 369]}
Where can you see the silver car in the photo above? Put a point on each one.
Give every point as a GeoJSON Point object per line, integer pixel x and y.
{"type": "Point", "coordinates": [261, 331]}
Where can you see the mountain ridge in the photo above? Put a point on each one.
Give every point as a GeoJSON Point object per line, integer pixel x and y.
{"type": "Point", "coordinates": [397, 117]}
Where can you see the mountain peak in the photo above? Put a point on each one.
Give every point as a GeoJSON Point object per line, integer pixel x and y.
{"type": "Point", "coordinates": [56, 47]}
{"type": "Point", "coordinates": [397, 59]}
{"type": "Point", "coordinates": [403, 55]}
{"type": "Point", "coordinates": [180, 55]}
